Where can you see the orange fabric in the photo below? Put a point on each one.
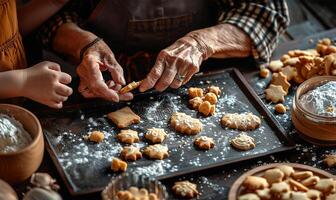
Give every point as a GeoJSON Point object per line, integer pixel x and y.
{"type": "Point", "coordinates": [11, 48]}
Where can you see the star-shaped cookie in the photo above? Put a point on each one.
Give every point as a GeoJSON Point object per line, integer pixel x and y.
{"type": "Point", "coordinates": [275, 93]}
{"type": "Point", "coordinates": [128, 136]}
{"type": "Point", "coordinates": [281, 79]}
{"type": "Point", "coordinates": [156, 151]}
{"type": "Point", "coordinates": [155, 135]}
{"type": "Point", "coordinates": [204, 142]}
{"type": "Point", "coordinates": [131, 153]}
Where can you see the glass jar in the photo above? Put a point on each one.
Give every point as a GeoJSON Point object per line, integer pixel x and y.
{"type": "Point", "coordinates": [125, 181]}
{"type": "Point", "coordinates": [314, 128]}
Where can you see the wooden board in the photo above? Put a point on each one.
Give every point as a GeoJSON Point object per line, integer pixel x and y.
{"type": "Point", "coordinates": [84, 166]}
{"type": "Point", "coordinates": [236, 186]}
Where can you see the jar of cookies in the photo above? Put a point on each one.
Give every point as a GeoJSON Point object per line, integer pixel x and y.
{"type": "Point", "coordinates": [314, 110]}
{"type": "Point", "coordinates": [133, 186]}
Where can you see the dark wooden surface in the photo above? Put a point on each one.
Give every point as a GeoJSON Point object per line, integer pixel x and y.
{"type": "Point", "coordinates": [308, 19]}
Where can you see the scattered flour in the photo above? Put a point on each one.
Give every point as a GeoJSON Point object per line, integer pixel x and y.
{"type": "Point", "coordinates": [13, 136]}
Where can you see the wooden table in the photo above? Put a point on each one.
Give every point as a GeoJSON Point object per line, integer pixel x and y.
{"type": "Point", "coordinates": [215, 184]}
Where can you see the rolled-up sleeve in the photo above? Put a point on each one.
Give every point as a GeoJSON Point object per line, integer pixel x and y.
{"type": "Point", "coordinates": [263, 21]}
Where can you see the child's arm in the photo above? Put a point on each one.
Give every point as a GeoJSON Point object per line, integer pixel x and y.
{"type": "Point", "coordinates": [32, 14]}
{"type": "Point", "coordinates": [44, 83]}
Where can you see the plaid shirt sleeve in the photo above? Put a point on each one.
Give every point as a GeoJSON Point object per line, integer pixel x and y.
{"type": "Point", "coordinates": [262, 20]}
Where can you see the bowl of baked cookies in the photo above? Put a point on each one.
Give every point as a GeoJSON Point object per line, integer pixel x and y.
{"type": "Point", "coordinates": [133, 186]}
{"type": "Point", "coordinates": [284, 181]}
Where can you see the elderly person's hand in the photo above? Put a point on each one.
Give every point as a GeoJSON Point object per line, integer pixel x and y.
{"type": "Point", "coordinates": [96, 59]}
{"type": "Point", "coordinates": [176, 64]}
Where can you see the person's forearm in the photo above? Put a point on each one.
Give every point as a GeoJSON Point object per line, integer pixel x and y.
{"type": "Point", "coordinates": [70, 40]}
{"type": "Point", "coordinates": [32, 14]}
{"type": "Point", "coordinates": [223, 41]}
{"type": "Point", "coordinates": [11, 84]}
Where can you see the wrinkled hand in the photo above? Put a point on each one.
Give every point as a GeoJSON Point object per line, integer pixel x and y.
{"type": "Point", "coordinates": [175, 65]}
{"type": "Point", "coordinates": [97, 59]}
{"type": "Point", "coordinates": [46, 84]}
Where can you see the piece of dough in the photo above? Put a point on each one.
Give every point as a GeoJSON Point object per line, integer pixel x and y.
{"type": "Point", "coordinates": [185, 124]}
{"type": "Point", "coordinates": [124, 117]}
{"type": "Point", "coordinates": [244, 121]}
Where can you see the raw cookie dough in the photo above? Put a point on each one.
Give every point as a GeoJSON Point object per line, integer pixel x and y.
{"type": "Point", "coordinates": [185, 189]}
{"type": "Point", "coordinates": [128, 136]}
{"type": "Point", "coordinates": [131, 153]}
{"type": "Point", "coordinates": [243, 142]}
{"type": "Point", "coordinates": [118, 165]}
{"type": "Point", "coordinates": [123, 117]}
{"type": "Point", "coordinates": [134, 193]}
{"type": "Point", "coordinates": [95, 136]}
{"type": "Point", "coordinates": [204, 142]}
{"type": "Point", "coordinates": [155, 135]}
{"type": "Point", "coordinates": [156, 151]}
{"type": "Point", "coordinates": [243, 121]}
{"type": "Point", "coordinates": [185, 124]}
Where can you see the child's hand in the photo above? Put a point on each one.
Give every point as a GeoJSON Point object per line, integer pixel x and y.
{"type": "Point", "coordinates": [46, 84]}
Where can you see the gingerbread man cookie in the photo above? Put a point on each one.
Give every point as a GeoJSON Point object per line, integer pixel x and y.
{"type": "Point", "coordinates": [244, 121]}
{"type": "Point", "coordinates": [204, 142]}
{"type": "Point", "coordinates": [156, 151]}
{"type": "Point", "coordinates": [128, 136]}
{"type": "Point", "coordinates": [275, 93]}
{"type": "Point", "coordinates": [155, 135]}
{"type": "Point", "coordinates": [243, 142]}
{"type": "Point", "coordinates": [131, 153]}
{"type": "Point", "coordinates": [185, 124]}
{"type": "Point", "coordinates": [124, 117]}
{"type": "Point", "coordinates": [185, 189]}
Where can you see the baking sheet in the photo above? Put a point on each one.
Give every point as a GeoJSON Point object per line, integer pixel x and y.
{"type": "Point", "coordinates": [85, 166]}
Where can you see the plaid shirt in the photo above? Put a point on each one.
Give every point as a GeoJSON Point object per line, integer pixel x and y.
{"type": "Point", "coordinates": [262, 20]}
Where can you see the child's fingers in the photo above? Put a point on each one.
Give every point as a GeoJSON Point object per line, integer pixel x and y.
{"type": "Point", "coordinates": [63, 90]}
{"type": "Point", "coordinates": [64, 78]}
{"type": "Point", "coordinates": [53, 66]}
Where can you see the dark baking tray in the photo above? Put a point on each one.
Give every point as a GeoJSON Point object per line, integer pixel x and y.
{"type": "Point", "coordinates": [84, 166]}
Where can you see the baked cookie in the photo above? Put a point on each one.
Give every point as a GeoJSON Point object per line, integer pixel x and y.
{"type": "Point", "coordinates": [185, 124]}
{"type": "Point", "coordinates": [95, 136]}
{"type": "Point", "coordinates": [206, 108]}
{"type": "Point", "coordinates": [302, 175]}
{"type": "Point", "coordinates": [280, 108]}
{"type": "Point", "coordinates": [131, 153]}
{"type": "Point", "coordinates": [264, 72]}
{"type": "Point", "coordinates": [214, 89]}
{"type": "Point", "coordinates": [243, 142]}
{"type": "Point", "coordinates": [275, 93]}
{"type": "Point", "coordinates": [275, 65]}
{"type": "Point", "coordinates": [134, 193]}
{"type": "Point", "coordinates": [273, 175]}
{"type": "Point", "coordinates": [310, 181]}
{"type": "Point", "coordinates": [299, 196]}
{"type": "Point", "coordinates": [204, 142]}
{"type": "Point", "coordinates": [255, 183]}
{"type": "Point", "coordinates": [277, 189]}
{"type": "Point", "coordinates": [155, 135]}
{"type": "Point", "coordinates": [287, 170]}
{"type": "Point", "coordinates": [211, 97]}
{"type": "Point", "coordinates": [297, 185]}
{"type": "Point", "coordinates": [326, 185]}
{"type": "Point", "coordinates": [264, 193]}
{"type": "Point", "coordinates": [128, 136]}
{"type": "Point", "coordinates": [249, 196]}
{"type": "Point", "coordinates": [331, 197]}
{"type": "Point", "coordinates": [289, 72]}
{"type": "Point", "coordinates": [118, 165]}
{"type": "Point", "coordinates": [243, 121]}
{"type": "Point", "coordinates": [130, 87]}
{"type": "Point", "coordinates": [185, 189]}
{"type": "Point", "coordinates": [156, 151]}
{"type": "Point", "coordinates": [330, 160]}
{"type": "Point", "coordinates": [195, 92]}
{"type": "Point", "coordinates": [281, 79]}
{"type": "Point", "coordinates": [195, 102]}
{"type": "Point", "coordinates": [314, 194]}
{"type": "Point", "coordinates": [124, 117]}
